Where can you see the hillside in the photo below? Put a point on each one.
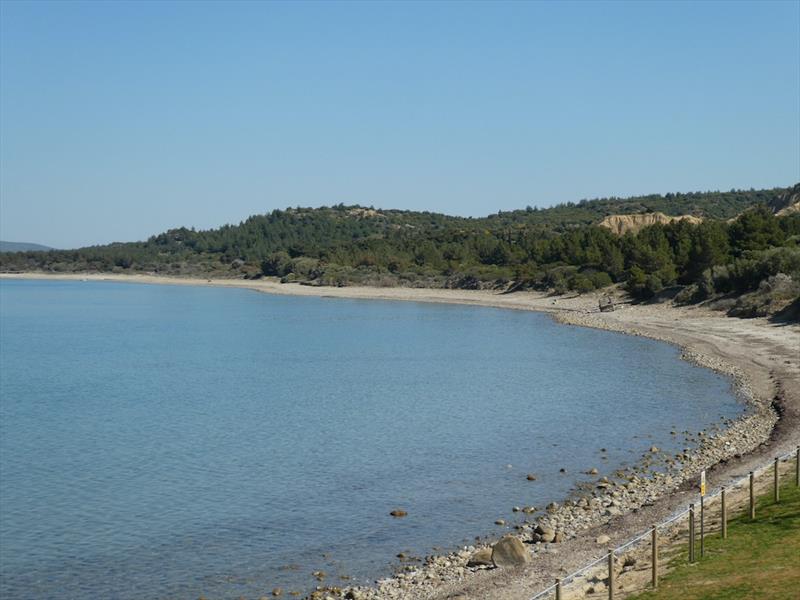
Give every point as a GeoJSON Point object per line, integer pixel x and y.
{"type": "Point", "coordinates": [559, 248]}
{"type": "Point", "coordinates": [22, 247]}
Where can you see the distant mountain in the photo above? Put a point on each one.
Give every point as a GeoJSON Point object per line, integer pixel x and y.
{"type": "Point", "coordinates": [22, 247]}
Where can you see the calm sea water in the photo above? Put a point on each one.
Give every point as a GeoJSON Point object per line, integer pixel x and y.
{"type": "Point", "coordinates": [168, 442]}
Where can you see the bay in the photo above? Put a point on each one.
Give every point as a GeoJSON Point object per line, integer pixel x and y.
{"type": "Point", "coordinates": [171, 442]}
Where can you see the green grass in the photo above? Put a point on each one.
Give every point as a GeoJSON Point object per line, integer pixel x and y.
{"type": "Point", "coordinates": [760, 559]}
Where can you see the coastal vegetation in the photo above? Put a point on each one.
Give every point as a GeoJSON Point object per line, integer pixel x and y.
{"type": "Point", "coordinates": [740, 246]}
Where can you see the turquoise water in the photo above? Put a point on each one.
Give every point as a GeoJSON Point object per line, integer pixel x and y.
{"type": "Point", "coordinates": [168, 442]}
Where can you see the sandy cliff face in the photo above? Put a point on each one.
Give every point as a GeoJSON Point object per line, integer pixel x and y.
{"type": "Point", "coordinates": [789, 210]}
{"type": "Point", "coordinates": [788, 203]}
{"type": "Point", "coordinates": [622, 224]}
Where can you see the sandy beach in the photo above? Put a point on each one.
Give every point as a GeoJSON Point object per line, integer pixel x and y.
{"type": "Point", "coordinates": [762, 357]}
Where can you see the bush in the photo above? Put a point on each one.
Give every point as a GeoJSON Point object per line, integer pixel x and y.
{"type": "Point", "coordinates": [580, 283]}
{"type": "Point", "coordinates": [773, 295]}
{"type": "Point", "coordinates": [746, 274]}
{"type": "Point", "coordinates": [600, 279]}
{"type": "Point", "coordinates": [276, 264]}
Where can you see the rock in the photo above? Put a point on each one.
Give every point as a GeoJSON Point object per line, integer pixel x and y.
{"type": "Point", "coordinates": [552, 507]}
{"type": "Point", "coordinates": [592, 471]}
{"type": "Point", "coordinates": [516, 509]}
{"type": "Point", "coordinates": [603, 540]}
{"type": "Point", "coordinates": [481, 558]}
{"type": "Point", "coordinates": [597, 588]}
{"type": "Point", "coordinates": [628, 562]}
{"type": "Point", "coordinates": [531, 477]}
{"type": "Point", "coordinates": [500, 522]}
{"type": "Point", "coordinates": [562, 470]}
{"type": "Point", "coordinates": [546, 534]}
{"type": "Point", "coordinates": [509, 552]}
{"type": "Point", "coordinates": [559, 537]}
{"type": "Point", "coordinates": [277, 592]}
{"type": "Point", "coordinates": [398, 513]}
{"type": "Point", "coordinates": [319, 575]}
{"type": "Point", "coordinates": [654, 449]}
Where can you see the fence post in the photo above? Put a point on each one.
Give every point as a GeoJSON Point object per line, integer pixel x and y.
{"type": "Point", "coordinates": [558, 589]}
{"type": "Point", "coordinates": [691, 533]}
{"type": "Point", "coordinates": [610, 574]}
{"type": "Point", "coordinates": [775, 483]}
{"type": "Point", "coordinates": [702, 528]}
{"type": "Point", "coordinates": [752, 499]}
{"type": "Point", "coordinates": [797, 468]}
{"type": "Point", "coordinates": [654, 544]}
{"type": "Point", "coordinates": [724, 516]}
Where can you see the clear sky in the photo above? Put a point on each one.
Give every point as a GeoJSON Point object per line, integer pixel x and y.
{"type": "Point", "coordinates": [119, 120]}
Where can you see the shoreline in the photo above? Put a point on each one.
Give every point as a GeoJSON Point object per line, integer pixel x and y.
{"type": "Point", "coordinates": [763, 360]}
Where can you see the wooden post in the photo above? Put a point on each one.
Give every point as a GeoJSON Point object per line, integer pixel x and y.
{"type": "Point", "coordinates": [776, 493]}
{"type": "Point", "coordinates": [691, 533]}
{"type": "Point", "coordinates": [752, 499]}
{"type": "Point", "coordinates": [702, 528]}
{"type": "Point", "coordinates": [724, 516]}
{"type": "Point", "coordinates": [654, 549]}
{"type": "Point", "coordinates": [610, 574]}
{"type": "Point", "coordinates": [797, 468]}
{"type": "Point", "coordinates": [558, 589]}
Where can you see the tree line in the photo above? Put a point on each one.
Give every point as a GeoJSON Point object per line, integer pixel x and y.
{"type": "Point", "coordinates": [560, 248]}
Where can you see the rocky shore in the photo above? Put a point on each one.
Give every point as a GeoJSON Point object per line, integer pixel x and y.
{"type": "Point", "coordinates": [656, 476]}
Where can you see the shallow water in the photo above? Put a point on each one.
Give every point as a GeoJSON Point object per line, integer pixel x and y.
{"type": "Point", "coordinates": [169, 441]}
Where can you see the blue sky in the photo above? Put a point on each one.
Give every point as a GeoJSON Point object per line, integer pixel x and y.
{"type": "Point", "coordinates": [119, 120]}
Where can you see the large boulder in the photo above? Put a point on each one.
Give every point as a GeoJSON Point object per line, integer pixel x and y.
{"type": "Point", "coordinates": [510, 552]}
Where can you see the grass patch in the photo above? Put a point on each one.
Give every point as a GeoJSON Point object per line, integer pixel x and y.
{"type": "Point", "coordinates": [760, 559]}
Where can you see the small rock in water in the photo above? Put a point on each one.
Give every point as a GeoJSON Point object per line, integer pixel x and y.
{"type": "Point", "coordinates": [500, 522]}
{"type": "Point", "coordinates": [516, 509]}
{"type": "Point", "coordinates": [592, 471]}
{"type": "Point", "coordinates": [562, 470]}
{"type": "Point", "coordinates": [654, 449]}
{"type": "Point", "coordinates": [277, 592]}
{"type": "Point", "coordinates": [398, 513]}
{"type": "Point", "coordinates": [531, 477]}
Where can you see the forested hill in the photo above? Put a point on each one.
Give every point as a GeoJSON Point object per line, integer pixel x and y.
{"type": "Point", "coordinates": [556, 248]}
{"type": "Point", "coordinates": [22, 247]}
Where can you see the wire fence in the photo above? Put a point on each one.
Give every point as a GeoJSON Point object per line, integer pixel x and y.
{"type": "Point", "coordinates": [599, 577]}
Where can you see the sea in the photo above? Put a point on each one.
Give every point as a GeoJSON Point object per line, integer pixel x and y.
{"type": "Point", "coordinates": [181, 442]}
